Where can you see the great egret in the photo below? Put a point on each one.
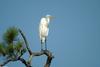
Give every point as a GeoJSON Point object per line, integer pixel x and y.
{"type": "Point", "coordinates": [44, 30]}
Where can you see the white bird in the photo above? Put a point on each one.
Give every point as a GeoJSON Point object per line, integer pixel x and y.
{"type": "Point", "coordinates": [44, 30]}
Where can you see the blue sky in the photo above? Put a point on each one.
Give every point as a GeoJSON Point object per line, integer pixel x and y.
{"type": "Point", "coordinates": [74, 36]}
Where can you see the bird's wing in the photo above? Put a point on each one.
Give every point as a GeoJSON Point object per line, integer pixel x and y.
{"type": "Point", "coordinates": [47, 32]}
{"type": "Point", "coordinates": [42, 27]}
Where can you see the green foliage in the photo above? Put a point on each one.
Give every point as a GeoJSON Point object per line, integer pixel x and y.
{"type": "Point", "coordinates": [19, 48]}
{"type": "Point", "coordinates": [2, 49]}
{"type": "Point", "coordinates": [10, 35]}
{"type": "Point", "coordinates": [18, 45]}
{"type": "Point", "coordinates": [11, 48]}
{"type": "Point", "coordinates": [23, 51]}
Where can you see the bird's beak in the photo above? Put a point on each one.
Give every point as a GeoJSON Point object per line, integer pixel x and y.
{"type": "Point", "coordinates": [51, 17]}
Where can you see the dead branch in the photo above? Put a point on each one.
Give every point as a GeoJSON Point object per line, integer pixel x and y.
{"type": "Point", "coordinates": [48, 54]}
{"type": "Point", "coordinates": [26, 43]}
{"type": "Point", "coordinates": [5, 62]}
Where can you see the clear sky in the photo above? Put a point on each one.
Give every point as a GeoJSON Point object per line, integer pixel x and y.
{"type": "Point", "coordinates": [74, 36]}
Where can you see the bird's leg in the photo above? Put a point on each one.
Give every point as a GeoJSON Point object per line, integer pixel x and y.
{"type": "Point", "coordinates": [45, 44]}
{"type": "Point", "coordinates": [41, 46]}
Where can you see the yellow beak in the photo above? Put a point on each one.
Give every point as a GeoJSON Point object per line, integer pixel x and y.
{"type": "Point", "coordinates": [51, 17]}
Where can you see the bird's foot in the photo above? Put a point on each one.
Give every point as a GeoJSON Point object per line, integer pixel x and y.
{"type": "Point", "coordinates": [41, 49]}
{"type": "Point", "coordinates": [46, 49]}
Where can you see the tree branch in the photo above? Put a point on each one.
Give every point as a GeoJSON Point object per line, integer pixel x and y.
{"type": "Point", "coordinates": [49, 59]}
{"type": "Point", "coordinates": [20, 59]}
{"type": "Point", "coordinates": [32, 54]}
{"type": "Point", "coordinates": [25, 40]}
{"type": "Point", "coordinates": [24, 62]}
{"type": "Point", "coordinates": [47, 53]}
{"type": "Point", "coordinates": [4, 63]}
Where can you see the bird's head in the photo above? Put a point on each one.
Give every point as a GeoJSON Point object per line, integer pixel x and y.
{"type": "Point", "coordinates": [49, 17]}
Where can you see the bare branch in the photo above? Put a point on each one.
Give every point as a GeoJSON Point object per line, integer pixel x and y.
{"type": "Point", "coordinates": [4, 63]}
{"type": "Point", "coordinates": [43, 52]}
{"type": "Point", "coordinates": [48, 54]}
{"type": "Point", "coordinates": [26, 43]}
{"type": "Point", "coordinates": [24, 62]}
{"type": "Point", "coordinates": [49, 59]}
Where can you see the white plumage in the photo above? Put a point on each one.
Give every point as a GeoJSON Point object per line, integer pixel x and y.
{"type": "Point", "coordinates": [44, 30]}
